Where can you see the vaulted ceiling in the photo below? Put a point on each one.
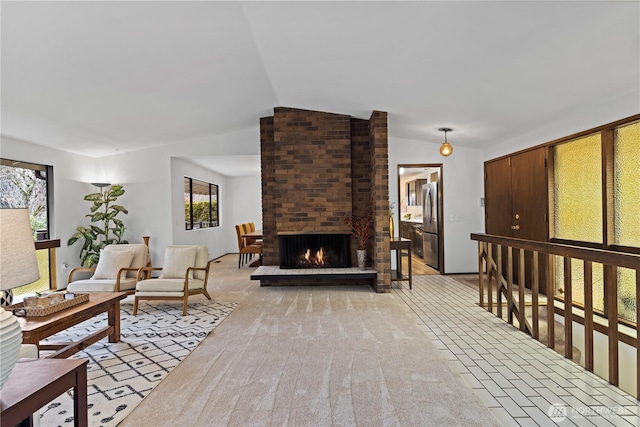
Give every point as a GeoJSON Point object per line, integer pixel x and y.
{"type": "Point", "coordinates": [98, 78]}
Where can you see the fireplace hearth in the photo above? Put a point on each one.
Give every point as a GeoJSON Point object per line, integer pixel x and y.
{"type": "Point", "coordinates": [314, 250]}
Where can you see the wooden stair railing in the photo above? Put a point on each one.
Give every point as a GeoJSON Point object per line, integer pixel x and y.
{"type": "Point", "coordinates": [504, 285]}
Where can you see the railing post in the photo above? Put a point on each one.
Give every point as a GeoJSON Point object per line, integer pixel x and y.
{"type": "Point", "coordinates": [489, 274]}
{"type": "Point", "coordinates": [588, 315]}
{"type": "Point", "coordinates": [611, 308]}
{"type": "Point", "coordinates": [637, 334]}
{"type": "Point", "coordinates": [481, 273]}
{"type": "Point", "coordinates": [535, 289]}
{"type": "Point", "coordinates": [53, 270]}
{"type": "Point", "coordinates": [499, 282]}
{"type": "Point", "coordinates": [521, 285]}
{"type": "Point", "coordinates": [551, 342]}
{"type": "Point", "coordinates": [510, 284]}
{"type": "Point", "coordinates": [568, 310]}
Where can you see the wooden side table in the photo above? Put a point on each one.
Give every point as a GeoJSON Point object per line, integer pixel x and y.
{"type": "Point", "coordinates": [35, 382]}
{"type": "Point", "coordinates": [402, 247]}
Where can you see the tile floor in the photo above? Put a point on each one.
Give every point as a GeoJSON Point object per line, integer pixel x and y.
{"type": "Point", "coordinates": [523, 382]}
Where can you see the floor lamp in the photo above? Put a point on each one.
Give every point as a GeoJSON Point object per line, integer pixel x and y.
{"type": "Point", "coordinates": [18, 267]}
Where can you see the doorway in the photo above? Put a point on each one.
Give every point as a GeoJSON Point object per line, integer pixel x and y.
{"type": "Point", "coordinates": [419, 215]}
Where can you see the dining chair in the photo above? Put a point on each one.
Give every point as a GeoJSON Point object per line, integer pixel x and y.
{"type": "Point", "coordinates": [245, 249]}
{"type": "Point", "coordinates": [252, 228]}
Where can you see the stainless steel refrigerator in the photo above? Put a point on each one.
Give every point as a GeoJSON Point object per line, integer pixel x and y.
{"type": "Point", "coordinates": [430, 220]}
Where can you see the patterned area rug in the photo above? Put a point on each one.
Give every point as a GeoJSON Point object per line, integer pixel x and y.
{"type": "Point", "coordinates": [121, 374]}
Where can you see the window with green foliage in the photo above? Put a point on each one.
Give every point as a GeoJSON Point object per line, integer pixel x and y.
{"type": "Point", "coordinates": [27, 185]}
{"type": "Point", "coordinates": [200, 204]}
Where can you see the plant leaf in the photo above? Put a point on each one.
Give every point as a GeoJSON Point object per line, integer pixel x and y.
{"type": "Point", "coordinates": [98, 216]}
{"type": "Point", "coordinates": [119, 208]}
{"type": "Point", "coordinates": [97, 230]}
{"type": "Point", "coordinates": [93, 197]}
{"type": "Point", "coordinates": [96, 206]}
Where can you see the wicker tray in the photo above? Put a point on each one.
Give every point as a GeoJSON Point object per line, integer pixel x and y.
{"type": "Point", "coordinates": [26, 311]}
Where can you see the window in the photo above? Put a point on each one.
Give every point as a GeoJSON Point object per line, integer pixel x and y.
{"type": "Point", "coordinates": [585, 215]}
{"type": "Point", "coordinates": [200, 204]}
{"type": "Point", "coordinates": [28, 185]}
{"type": "Point", "coordinates": [578, 190]}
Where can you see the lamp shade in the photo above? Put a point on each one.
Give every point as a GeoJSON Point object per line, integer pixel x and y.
{"type": "Point", "coordinates": [18, 263]}
{"type": "Point", "coordinates": [446, 149]}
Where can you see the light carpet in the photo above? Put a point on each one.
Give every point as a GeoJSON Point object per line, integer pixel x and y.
{"type": "Point", "coordinates": [121, 374]}
{"type": "Point", "coordinates": [311, 356]}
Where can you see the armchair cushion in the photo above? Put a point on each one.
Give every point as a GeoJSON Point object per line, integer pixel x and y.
{"type": "Point", "coordinates": [140, 257]}
{"type": "Point", "coordinates": [111, 262]}
{"type": "Point", "coordinates": [176, 262]}
{"type": "Point", "coordinates": [202, 258]}
{"type": "Point", "coordinates": [106, 285]}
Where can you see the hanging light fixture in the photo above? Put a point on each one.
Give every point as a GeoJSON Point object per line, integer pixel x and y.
{"type": "Point", "coordinates": [446, 149]}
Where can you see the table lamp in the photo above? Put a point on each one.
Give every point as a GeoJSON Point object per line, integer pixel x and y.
{"type": "Point", "coordinates": [18, 267]}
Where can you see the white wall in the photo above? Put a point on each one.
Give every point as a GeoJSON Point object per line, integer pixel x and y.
{"type": "Point", "coordinates": [153, 183]}
{"type": "Point", "coordinates": [246, 206]}
{"type": "Point", "coordinates": [590, 116]}
{"type": "Point", "coordinates": [215, 238]}
{"type": "Point", "coordinates": [154, 178]}
{"type": "Point", "coordinates": [463, 186]}
{"type": "Point", "coordinates": [72, 174]}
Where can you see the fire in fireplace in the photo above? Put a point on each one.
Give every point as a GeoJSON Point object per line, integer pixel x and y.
{"type": "Point", "coordinates": [318, 259]}
{"type": "Point", "coordinates": [314, 250]}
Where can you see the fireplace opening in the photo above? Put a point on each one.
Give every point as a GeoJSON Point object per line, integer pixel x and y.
{"type": "Point", "coordinates": [314, 250]}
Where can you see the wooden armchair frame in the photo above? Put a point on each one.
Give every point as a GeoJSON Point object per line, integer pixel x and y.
{"type": "Point", "coordinates": [93, 270]}
{"type": "Point", "coordinates": [186, 292]}
{"type": "Point", "coordinates": [121, 273]}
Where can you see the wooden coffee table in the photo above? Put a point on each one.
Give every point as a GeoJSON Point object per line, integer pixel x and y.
{"type": "Point", "coordinates": [35, 329]}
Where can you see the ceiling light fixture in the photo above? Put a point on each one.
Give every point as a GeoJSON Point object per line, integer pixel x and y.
{"type": "Point", "coordinates": [100, 184]}
{"type": "Point", "coordinates": [445, 149]}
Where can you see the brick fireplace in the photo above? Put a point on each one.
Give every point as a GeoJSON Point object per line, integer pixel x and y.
{"type": "Point", "coordinates": [318, 168]}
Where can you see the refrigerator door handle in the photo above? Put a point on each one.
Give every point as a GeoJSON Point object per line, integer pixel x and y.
{"type": "Point", "coordinates": [430, 207]}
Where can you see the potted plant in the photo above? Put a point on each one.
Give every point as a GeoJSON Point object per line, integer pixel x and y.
{"type": "Point", "coordinates": [362, 228]}
{"type": "Point", "coordinates": [105, 229]}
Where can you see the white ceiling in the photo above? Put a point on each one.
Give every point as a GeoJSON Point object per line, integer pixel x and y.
{"type": "Point", "coordinates": [98, 78]}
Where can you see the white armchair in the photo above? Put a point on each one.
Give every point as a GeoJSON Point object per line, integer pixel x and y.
{"type": "Point", "coordinates": [116, 271]}
{"type": "Point", "coordinates": [185, 273]}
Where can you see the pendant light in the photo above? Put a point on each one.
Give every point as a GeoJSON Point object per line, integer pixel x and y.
{"type": "Point", "coordinates": [445, 149]}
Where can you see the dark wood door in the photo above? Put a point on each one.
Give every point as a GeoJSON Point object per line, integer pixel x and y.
{"type": "Point", "coordinates": [515, 191]}
{"type": "Point", "coordinates": [497, 197]}
{"type": "Point", "coordinates": [516, 202]}
{"type": "Point", "coordinates": [497, 202]}
{"type": "Point", "coordinates": [529, 195]}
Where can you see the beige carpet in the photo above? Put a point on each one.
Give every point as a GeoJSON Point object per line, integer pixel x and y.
{"type": "Point", "coordinates": [310, 356]}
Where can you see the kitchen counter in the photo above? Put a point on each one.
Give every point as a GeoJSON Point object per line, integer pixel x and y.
{"type": "Point", "coordinates": [412, 229]}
